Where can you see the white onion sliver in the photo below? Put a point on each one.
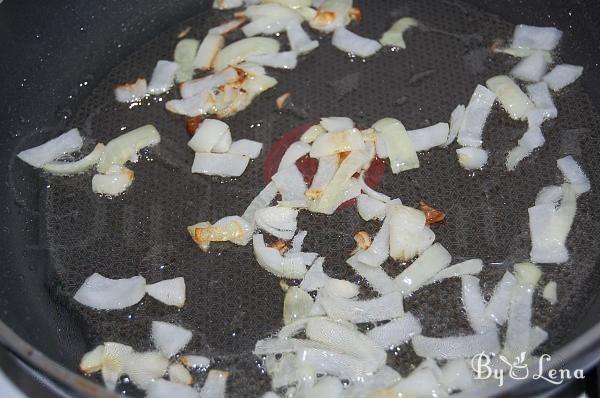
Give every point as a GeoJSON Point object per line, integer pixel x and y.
{"type": "Point", "coordinates": [369, 208]}
{"type": "Point", "coordinates": [282, 60]}
{"type": "Point", "coordinates": [497, 307]}
{"type": "Point", "coordinates": [562, 75]}
{"type": "Point", "coordinates": [474, 305]}
{"type": "Point", "coordinates": [163, 77]}
{"type": "Point", "coordinates": [429, 137]}
{"type": "Point", "coordinates": [145, 367]}
{"type": "Point", "coordinates": [539, 38]}
{"type": "Point", "coordinates": [196, 105]}
{"type": "Point", "coordinates": [169, 339]}
{"type": "Point", "coordinates": [471, 158]}
{"type": "Point", "coordinates": [396, 332]}
{"type": "Point", "coordinates": [77, 167]}
{"type": "Point", "coordinates": [400, 149]}
{"type": "Point", "coordinates": [238, 51]}
{"type": "Point", "coordinates": [456, 346]}
{"type": "Point", "coordinates": [91, 362]}
{"type": "Point", "coordinates": [574, 174]}
{"type": "Point", "coordinates": [516, 103]}
{"type": "Point", "coordinates": [167, 389]}
{"type": "Point", "coordinates": [300, 42]}
{"type": "Point", "coordinates": [376, 277]}
{"type": "Point", "coordinates": [423, 268]}
{"type": "Point", "coordinates": [277, 221]}
{"type": "Point", "coordinates": [220, 164]}
{"type": "Point", "coordinates": [131, 92]}
{"type": "Point", "coordinates": [382, 308]}
{"type": "Point", "coordinates": [208, 134]}
{"type": "Point", "coordinates": [409, 236]}
{"type": "Point", "coordinates": [468, 267]}
{"type": "Point", "coordinates": [531, 68]}
{"type": "Point", "coordinates": [65, 143]}
{"type": "Point", "coordinates": [114, 182]}
{"type": "Point", "coordinates": [185, 52]}
{"type": "Point", "coordinates": [103, 293]}
{"type": "Point", "coordinates": [293, 153]}
{"type": "Point", "coordinates": [331, 14]}
{"type": "Point", "coordinates": [456, 118]}
{"type": "Point", "coordinates": [335, 124]}
{"type": "Point", "coordinates": [209, 47]}
{"type": "Point", "coordinates": [518, 329]}
{"type": "Point", "coordinates": [119, 150]}
{"type": "Point", "coordinates": [170, 291]}
{"type": "Point", "coordinates": [328, 165]}
{"type": "Point", "coordinates": [270, 259]}
{"type": "Point", "coordinates": [394, 36]}
{"type": "Point", "coordinates": [226, 27]}
{"type": "Point", "coordinates": [549, 195]}
{"type": "Point", "coordinates": [542, 99]}
{"type": "Point", "coordinates": [549, 292]}
{"type": "Point", "coordinates": [263, 199]}
{"type": "Point", "coordinates": [296, 305]}
{"type": "Point", "coordinates": [475, 116]}
{"type": "Point", "coordinates": [290, 183]}
{"type": "Point", "coordinates": [379, 250]}
{"type": "Point", "coordinates": [246, 147]}
{"type": "Point", "coordinates": [337, 142]}
{"type": "Point", "coordinates": [315, 278]}
{"type": "Point", "coordinates": [350, 42]}
{"type": "Point", "coordinates": [113, 361]}
{"type": "Point", "coordinates": [198, 86]}
{"type": "Point", "coordinates": [215, 384]}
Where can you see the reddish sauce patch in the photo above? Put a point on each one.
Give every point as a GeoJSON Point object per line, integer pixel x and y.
{"type": "Point", "coordinates": [308, 166]}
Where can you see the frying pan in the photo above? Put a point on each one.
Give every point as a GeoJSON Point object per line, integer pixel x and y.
{"type": "Point", "coordinates": [59, 62]}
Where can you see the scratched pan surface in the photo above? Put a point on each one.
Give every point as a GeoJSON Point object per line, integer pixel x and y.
{"type": "Point", "coordinates": [231, 301]}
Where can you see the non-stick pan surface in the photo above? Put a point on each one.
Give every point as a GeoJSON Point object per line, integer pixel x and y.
{"type": "Point", "coordinates": [231, 301]}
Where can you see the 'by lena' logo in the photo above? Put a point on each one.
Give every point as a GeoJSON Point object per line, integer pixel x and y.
{"type": "Point", "coordinates": [500, 368]}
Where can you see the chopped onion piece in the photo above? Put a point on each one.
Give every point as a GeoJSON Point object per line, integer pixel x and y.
{"type": "Point", "coordinates": [240, 50]}
{"type": "Point", "coordinates": [474, 304]}
{"type": "Point", "coordinates": [331, 14]}
{"type": "Point", "coordinates": [290, 183]}
{"type": "Point", "coordinates": [293, 153]}
{"type": "Point", "coordinates": [542, 99]}
{"type": "Point", "coordinates": [531, 140]}
{"type": "Point", "coordinates": [538, 38]}
{"type": "Point", "coordinates": [400, 149]}
{"type": "Point", "coordinates": [227, 27]}
{"type": "Point", "coordinates": [369, 208]}
{"type": "Point", "coordinates": [337, 142]}
{"type": "Point", "coordinates": [371, 192]}
{"type": "Point", "coordinates": [312, 133]}
{"type": "Point", "coordinates": [497, 307]}
{"type": "Point", "coordinates": [113, 363]}
{"type": "Point", "coordinates": [549, 292]}
{"type": "Point", "coordinates": [215, 384]}
{"type": "Point", "coordinates": [119, 150]}
{"type": "Point", "coordinates": [65, 143]}
{"type": "Point", "coordinates": [315, 278]}
{"type": "Point", "coordinates": [340, 288]}
{"type": "Point", "coordinates": [114, 182]}
{"type": "Point", "coordinates": [246, 147]}
{"type": "Point", "coordinates": [163, 77]}
{"type": "Point", "coordinates": [328, 165]}
{"type": "Point", "coordinates": [195, 361]}
{"type": "Point", "coordinates": [220, 164]}
{"type": "Point", "coordinates": [278, 221]}
{"type": "Point", "coordinates": [283, 60]}
{"type": "Point", "coordinates": [333, 193]}
{"type": "Point", "coordinates": [198, 86]}
{"type": "Point", "coordinates": [170, 291]}
{"type": "Point", "coordinates": [549, 228]}
{"type": "Point", "coordinates": [382, 308]}
{"type": "Point", "coordinates": [179, 374]}
{"type": "Point", "coordinates": [574, 174]}
{"type": "Point", "coordinates": [131, 92]}
{"type": "Point", "coordinates": [346, 340]}
{"type": "Point", "coordinates": [429, 137]}
{"type": "Point", "coordinates": [270, 259]}
{"type": "Point", "coordinates": [472, 158]}
{"type": "Point", "coordinates": [409, 236]}
{"type": "Point", "coordinates": [518, 327]}
{"type": "Point", "coordinates": [210, 46]}
{"type": "Point", "coordinates": [379, 249]}
{"type": "Point", "coordinates": [456, 346]}
{"type": "Point", "coordinates": [169, 339]}
{"type": "Point", "coordinates": [296, 305]}
{"type": "Point", "coordinates": [333, 363]}
{"type": "Point", "coordinates": [562, 75]}
{"type": "Point", "coordinates": [394, 36]}
{"type": "Point", "coordinates": [469, 267]}
{"type": "Point", "coordinates": [77, 167]}
{"type": "Point", "coordinates": [223, 144]}
{"type": "Point", "coordinates": [185, 52]}
{"type": "Point", "coordinates": [193, 106]}
{"type": "Point", "coordinates": [456, 118]}
{"type": "Point", "coordinates": [377, 278]}
{"type": "Point", "coordinates": [300, 42]}
{"type": "Point", "coordinates": [227, 4]}
{"type": "Point", "coordinates": [110, 294]}
{"type": "Point", "coordinates": [352, 43]}
{"type": "Point", "coordinates": [91, 362]}
{"type": "Point", "coordinates": [476, 113]}
{"type": "Point", "coordinates": [549, 195]}
{"type": "Point", "coordinates": [513, 100]}
{"type": "Point", "coordinates": [423, 268]}
{"type": "Point", "coordinates": [166, 389]}
{"type": "Point", "coordinates": [528, 274]}
{"type": "Point", "coordinates": [146, 367]}
{"type": "Point", "coordinates": [262, 200]}
{"type": "Point", "coordinates": [531, 68]}
{"type": "Point", "coordinates": [228, 229]}
{"type": "Point", "coordinates": [208, 134]}
{"type": "Point", "coordinates": [396, 332]}
{"type": "Point", "coordinates": [524, 52]}
{"type": "Point", "coordinates": [297, 243]}
{"type": "Point", "coordinates": [335, 124]}
{"type": "Point", "coordinates": [269, 18]}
